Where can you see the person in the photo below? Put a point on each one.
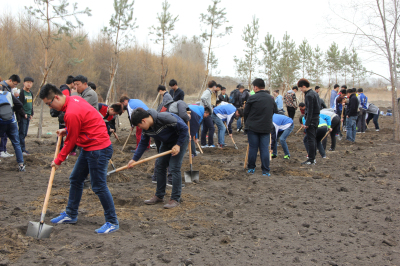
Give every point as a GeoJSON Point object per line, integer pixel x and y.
{"type": "Point", "coordinates": [245, 96]}
{"type": "Point", "coordinates": [291, 101]}
{"type": "Point", "coordinates": [87, 130]}
{"type": "Point", "coordinates": [173, 133]}
{"type": "Point", "coordinates": [8, 124]}
{"type": "Point", "coordinates": [92, 85]}
{"type": "Point", "coordinates": [373, 113]}
{"type": "Point", "coordinates": [279, 102]}
{"type": "Point", "coordinates": [166, 97]}
{"type": "Point", "coordinates": [15, 92]}
{"type": "Point", "coordinates": [108, 113]}
{"type": "Point", "coordinates": [223, 97]}
{"type": "Point", "coordinates": [258, 114]}
{"type": "Point", "coordinates": [335, 125]}
{"type": "Point", "coordinates": [324, 125]}
{"type": "Point", "coordinates": [238, 103]}
{"type": "Point", "coordinates": [86, 92]}
{"type": "Point", "coordinates": [208, 125]}
{"type": "Point", "coordinates": [222, 113]}
{"type": "Point", "coordinates": [334, 93]}
{"type": "Point", "coordinates": [176, 93]}
{"type": "Point", "coordinates": [25, 98]}
{"type": "Point", "coordinates": [363, 106]}
{"type": "Point", "coordinates": [302, 108]}
{"type": "Point", "coordinates": [322, 104]}
{"type": "Point", "coordinates": [283, 126]}
{"type": "Point", "coordinates": [351, 115]}
{"type": "Point", "coordinates": [130, 105]}
{"type": "Point", "coordinates": [8, 85]}
{"type": "Point", "coordinates": [199, 110]}
{"type": "Point", "coordinates": [311, 117]}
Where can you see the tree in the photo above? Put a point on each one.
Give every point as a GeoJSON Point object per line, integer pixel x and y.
{"type": "Point", "coordinates": [355, 65]}
{"type": "Point", "coordinates": [162, 32]}
{"type": "Point", "coordinates": [333, 61]}
{"type": "Point", "coordinates": [213, 63]}
{"type": "Point", "coordinates": [345, 62]}
{"type": "Point", "coordinates": [289, 63]}
{"type": "Point", "coordinates": [319, 66]}
{"type": "Point", "coordinates": [215, 18]}
{"type": "Point", "coordinates": [305, 56]}
{"type": "Point", "coordinates": [56, 16]}
{"type": "Point", "coordinates": [374, 24]}
{"type": "Point", "coordinates": [119, 33]}
{"type": "Point", "coordinates": [270, 57]}
{"type": "Point", "coordinates": [246, 67]}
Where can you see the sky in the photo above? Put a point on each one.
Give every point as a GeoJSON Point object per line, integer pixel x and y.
{"type": "Point", "coordinates": [300, 19]}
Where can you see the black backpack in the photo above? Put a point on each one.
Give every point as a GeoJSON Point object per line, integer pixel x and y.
{"type": "Point", "coordinates": [233, 96]}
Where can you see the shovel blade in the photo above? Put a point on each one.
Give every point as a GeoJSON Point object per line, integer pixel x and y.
{"type": "Point", "coordinates": [39, 230]}
{"type": "Point", "coordinates": [191, 176]}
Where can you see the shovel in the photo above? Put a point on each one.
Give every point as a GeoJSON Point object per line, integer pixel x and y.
{"type": "Point", "coordinates": [112, 164]}
{"type": "Point", "coordinates": [191, 175]}
{"type": "Point", "coordinates": [327, 133]}
{"type": "Point", "coordinates": [139, 162]}
{"type": "Point", "coordinates": [246, 158]}
{"type": "Point", "coordinates": [231, 137]}
{"type": "Point", "coordinates": [116, 136]}
{"type": "Point", "coordinates": [41, 230]}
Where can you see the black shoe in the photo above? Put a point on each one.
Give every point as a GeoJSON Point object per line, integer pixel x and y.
{"type": "Point", "coordinates": [331, 149]}
{"type": "Point", "coordinates": [309, 162]}
{"type": "Point", "coordinates": [273, 156]}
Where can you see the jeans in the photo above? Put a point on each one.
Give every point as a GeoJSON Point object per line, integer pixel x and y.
{"type": "Point", "coordinates": [375, 119]}
{"type": "Point", "coordinates": [11, 131]}
{"type": "Point", "coordinates": [174, 163]}
{"type": "Point", "coordinates": [208, 126]}
{"type": "Point", "coordinates": [23, 125]}
{"type": "Point", "coordinates": [3, 142]}
{"type": "Point", "coordinates": [310, 141]}
{"type": "Point", "coordinates": [258, 141]}
{"type": "Point", "coordinates": [94, 163]}
{"type": "Point", "coordinates": [239, 123]}
{"type": "Point", "coordinates": [361, 125]}
{"type": "Point", "coordinates": [221, 128]}
{"type": "Point", "coordinates": [282, 140]}
{"type": "Point", "coordinates": [351, 128]}
{"type": "Point", "coordinates": [193, 147]}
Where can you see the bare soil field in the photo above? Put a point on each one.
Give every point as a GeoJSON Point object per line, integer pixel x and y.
{"type": "Point", "coordinates": [342, 211]}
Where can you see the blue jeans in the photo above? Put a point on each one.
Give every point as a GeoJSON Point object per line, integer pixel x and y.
{"type": "Point", "coordinates": [221, 128]}
{"type": "Point", "coordinates": [239, 123]}
{"type": "Point", "coordinates": [375, 119]}
{"type": "Point", "coordinates": [11, 130]}
{"type": "Point", "coordinates": [3, 142]}
{"type": "Point", "coordinates": [174, 163]}
{"type": "Point", "coordinates": [258, 141]}
{"type": "Point", "coordinates": [23, 131]}
{"type": "Point", "coordinates": [351, 127]}
{"type": "Point", "coordinates": [94, 163]}
{"type": "Point", "coordinates": [282, 141]}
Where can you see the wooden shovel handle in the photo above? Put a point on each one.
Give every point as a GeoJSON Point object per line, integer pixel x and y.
{"type": "Point", "coordinates": [201, 150]}
{"type": "Point", "coordinates": [130, 133]}
{"type": "Point", "coordinates": [50, 185]}
{"type": "Point", "coordinates": [144, 160]}
{"type": "Point", "coordinates": [247, 156]}
{"type": "Point", "coordinates": [325, 135]}
{"type": "Point", "coordinates": [115, 135]}
{"type": "Point", "coordinates": [229, 134]}
{"type": "Point", "coordinates": [298, 130]}
{"type": "Point", "coordinates": [190, 143]}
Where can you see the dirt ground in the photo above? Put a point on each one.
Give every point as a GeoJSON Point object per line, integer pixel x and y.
{"type": "Point", "coordinates": [342, 211]}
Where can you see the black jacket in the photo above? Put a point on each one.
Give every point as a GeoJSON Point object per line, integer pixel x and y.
{"type": "Point", "coordinates": [322, 104]}
{"type": "Point", "coordinates": [352, 107]}
{"type": "Point", "coordinates": [177, 95]}
{"type": "Point", "coordinates": [311, 100]}
{"type": "Point", "coordinates": [223, 98]}
{"type": "Point", "coordinates": [258, 112]}
{"type": "Point", "coordinates": [245, 95]}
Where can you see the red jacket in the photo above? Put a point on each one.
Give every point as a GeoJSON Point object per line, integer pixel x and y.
{"type": "Point", "coordinates": [85, 128]}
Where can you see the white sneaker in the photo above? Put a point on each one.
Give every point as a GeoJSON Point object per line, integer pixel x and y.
{"type": "Point", "coordinates": [9, 154]}
{"type": "Point", "coordinates": [4, 155]}
{"type": "Point", "coordinates": [377, 130]}
{"type": "Point", "coordinates": [205, 146]}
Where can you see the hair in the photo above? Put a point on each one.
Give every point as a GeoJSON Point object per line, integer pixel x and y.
{"type": "Point", "coordinates": [353, 90]}
{"type": "Point", "coordinates": [303, 82]}
{"type": "Point", "coordinates": [259, 83]}
{"type": "Point", "coordinates": [123, 99]}
{"type": "Point", "coordinates": [218, 102]}
{"type": "Point", "coordinates": [344, 87]}
{"type": "Point", "coordinates": [207, 110]}
{"type": "Point", "coordinates": [172, 82]}
{"type": "Point", "coordinates": [15, 78]}
{"type": "Point", "coordinates": [219, 86]}
{"type": "Point", "coordinates": [48, 91]}
{"type": "Point", "coordinates": [267, 91]}
{"type": "Point", "coordinates": [340, 99]}
{"type": "Point", "coordinates": [80, 78]}
{"type": "Point", "coordinates": [138, 115]}
{"type": "Point", "coordinates": [344, 91]}
{"type": "Point", "coordinates": [70, 79]}
{"type": "Point", "coordinates": [240, 111]}
{"type": "Point", "coordinates": [239, 86]}
{"type": "Point", "coordinates": [161, 88]}
{"type": "Point", "coordinates": [28, 79]}
{"type": "Point", "coordinates": [212, 83]}
{"type": "Point", "coordinates": [295, 88]}
{"type": "Point", "coordinates": [360, 90]}
{"type": "Point", "coordinates": [301, 119]}
{"type": "Point", "coordinates": [92, 85]}
{"type": "Point", "coordinates": [317, 87]}
{"type": "Point", "coordinates": [302, 104]}
{"type": "Point", "coordinates": [223, 88]}
{"type": "Point", "coordinates": [117, 108]}
{"type": "Point", "coordinates": [277, 91]}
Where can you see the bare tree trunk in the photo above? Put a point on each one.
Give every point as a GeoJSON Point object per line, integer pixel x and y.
{"type": "Point", "coordinates": [110, 89]}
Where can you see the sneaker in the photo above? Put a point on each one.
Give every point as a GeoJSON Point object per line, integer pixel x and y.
{"type": "Point", "coordinates": [339, 137]}
{"type": "Point", "coordinates": [331, 149]}
{"type": "Point", "coordinates": [274, 156]}
{"type": "Point", "coordinates": [266, 174]}
{"type": "Point", "coordinates": [107, 228]}
{"type": "Point", "coordinates": [64, 219]}
{"type": "Point", "coordinates": [72, 153]}
{"type": "Point", "coordinates": [153, 146]}
{"type": "Point", "coordinates": [251, 171]}
{"type": "Point", "coordinates": [25, 153]}
{"type": "Point", "coordinates": [377, 130]}
{"type": "Point", "coordinates": [21, 168]}
{"type": "Point", "coordinates": [287, 157]}
{"type": "Point", "coordinates": [211, 146]}
{"type": "Point", "coordinates": [10, 155]}
{"type": "Point", "coordinates": [324, 157]}
{"type": "Point", "coordinates": [309, 162]}
{"type": "Point", "coordinates": [197, 153]}
{"type": "Point", "coordinates": [220, 146]}
{"type": "Point", "coordinates": [153, 179]}
{"type": "Point", "coordinates": [205, 146]}
{"type": "Point", "coordinates": [4, 155]}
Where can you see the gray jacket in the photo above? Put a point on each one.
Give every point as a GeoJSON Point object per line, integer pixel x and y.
{"type": "Point", "coordinates": [205, 99]}
{"type": "Point", "coordinates": [179, 108]}
{"type": "Point", "coordinates": [91, 97]}
{"type": "Point", "coordinates": [372, 109]}
{"type": "Point", "coordinates": [166, 99]}
{"type": "Point", "coordinates": [329, 112]}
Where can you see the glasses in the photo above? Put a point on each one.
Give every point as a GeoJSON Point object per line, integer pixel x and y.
{"type": "Point", "coordinates": [49, 104]}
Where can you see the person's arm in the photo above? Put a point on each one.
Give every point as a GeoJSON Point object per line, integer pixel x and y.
{"type": "Point", "coordinates": [183, 132]}
{"type": "Point", "coordinates": [182, 111]}
{"type": "Point", "coordinates": [204, 99]}
{"type": "Point", "coordinates": [310, 110]}
{"type": "Point", "coordinates": [18, 107]}
{"type": "Point", "coordinates": [181, 95]}
{"type": "Point", "coordinates": [246, 110]}
{"type": "Point", "coordinates": [230, 124]}
{"type": "Point", "coordinates": [144, 142]}
{"type": "Point", "coordinates": [73, 127]}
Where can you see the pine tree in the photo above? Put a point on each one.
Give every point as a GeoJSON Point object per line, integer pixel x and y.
{"type": "Point", "coordinates": [270, 57]}
{"type": "Point", "coordinates": [345, 62]}
{"type": "Point", "coordinates": [305, 56]}
{"type": "Point", "coordinates": [319, 66]}
{"type": "Point", "coordinates": [333, 60]}
{"type": "Point", "coordinates": [289, 63]}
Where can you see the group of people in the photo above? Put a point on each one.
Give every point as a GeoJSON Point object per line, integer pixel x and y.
{"type": "Point", "coordinates": [173, 126]}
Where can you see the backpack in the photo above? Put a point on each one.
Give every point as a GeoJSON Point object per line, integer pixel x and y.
{"type": "Point", "coordinates": [6, 111]}
{"type": "Point", "coordinates": [233, 96]}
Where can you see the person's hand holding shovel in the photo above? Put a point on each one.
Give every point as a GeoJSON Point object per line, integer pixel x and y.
{"type": "Point", "coordinates": [175, 150]}
{"type": "Point", "coordinates": [60, 133]}
{"type": "Point", "coordinates": [130, 164]}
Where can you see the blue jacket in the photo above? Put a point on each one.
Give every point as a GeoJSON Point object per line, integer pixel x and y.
{"type": "Point", "coordinates": [168, 128]}
{"type": "Point", "coordinates": [279, 102]}
{"type": "Point", "coordinates": [324, 121]}
{"type": "Point", "coordinates": [333, 98]}
{"type": "Point", "coordinates": [226, 112]}
{"type": "Point", "coordinates": [281, 120]}
{"type": "Point", "coordinates": [198, 110]}
{"type": "Point", "coordinates": [363, 101]}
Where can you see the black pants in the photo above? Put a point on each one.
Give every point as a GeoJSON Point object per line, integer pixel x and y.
{"type": "Point", "coordinates": [320, 134]}
{"type": "Point", "coordinates": [310, 141]}
{"type": "Point", "coordinates": [291, 111]}
{"type": "Point", "coordinates": [208, 126]}
{"type": "Point", "coordinates": [335, 125]}
{"type": "Point", "coordinates": [361, 124]}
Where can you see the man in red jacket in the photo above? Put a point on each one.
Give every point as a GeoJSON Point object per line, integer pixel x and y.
{"type": "Point", "coordinates": [84, 127]}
